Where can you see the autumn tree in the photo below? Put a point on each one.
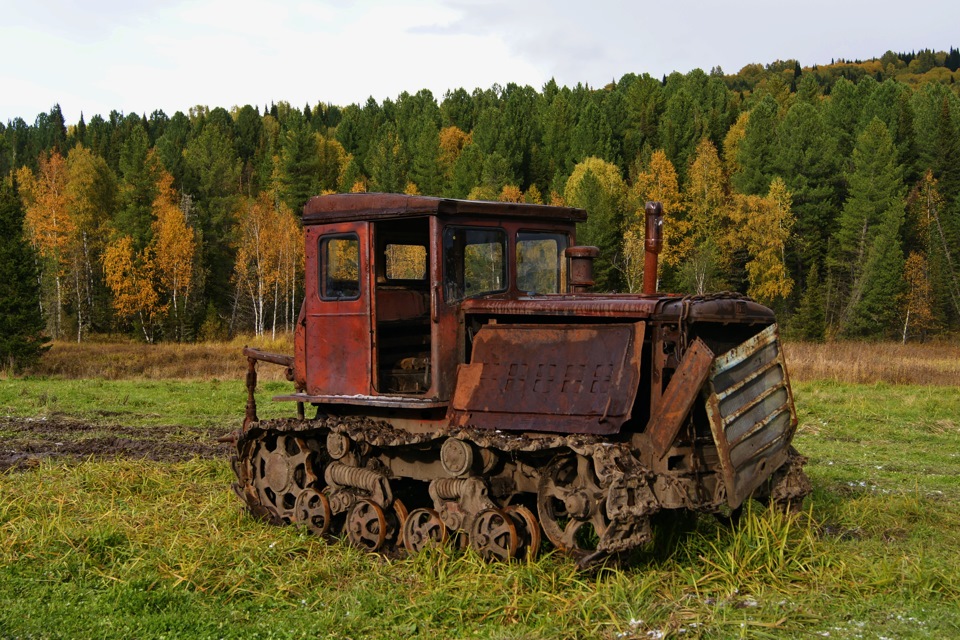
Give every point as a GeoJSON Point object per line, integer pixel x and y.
{"type": "Point", "coordinates": [269, 261]}
{"type": "Point", "coordinates": [93, 198]}
{"type": "Point", "coordinates": [174, 250]}
{"type": "Point", "coordinates": [131, 277]}
{"type": "Point", "coordinates": [705, 250]}
{"type": "Point", "coordinates": [50, 229]}
{"type": "Point", "coordinates": [917, 303]}
{"type": "Point", "coordinates": [656, 180]}
{"type": "Point", "coordinates": [765, 225]}
{"type": "Point", "coordinates": [936, 238]}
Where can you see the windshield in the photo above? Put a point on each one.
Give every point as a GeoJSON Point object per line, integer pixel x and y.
{"type": "Point", "coordinates": [474, 262]}
{"type": "Point", "coordinates": [540, 263]}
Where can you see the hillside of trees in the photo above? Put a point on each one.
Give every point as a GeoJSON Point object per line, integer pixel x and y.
{"type": "Point", "coordinates": [831, 193]}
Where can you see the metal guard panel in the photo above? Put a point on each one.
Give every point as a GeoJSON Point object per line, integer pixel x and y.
{"type": "Point", "coordinates": [560, 378]}
{"type": "Point", "coordinates": [751, 411]}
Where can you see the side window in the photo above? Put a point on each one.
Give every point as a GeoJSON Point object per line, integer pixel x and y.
{"type": "Point", "coordinates": [405, 262]}
{"type": "Point", "coordinates": [474, 262]}
{"type": "Point", "coordinates": [339, 267]}
{"type": "Point", "coordinates": [540, 263]}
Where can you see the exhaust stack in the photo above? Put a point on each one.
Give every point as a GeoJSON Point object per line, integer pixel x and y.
{"type": "Point", "coordinates": [652, 245]}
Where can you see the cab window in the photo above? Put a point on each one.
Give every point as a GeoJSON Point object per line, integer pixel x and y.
{"type": "Point", "coordinates": [339, 267]}
{"type": "Point", "coordinates": [540, 263]}
{"type": "Point", "coordinates": [474, 262]}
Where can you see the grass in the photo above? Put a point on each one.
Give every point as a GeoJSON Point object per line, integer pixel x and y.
{"type": "Point", "coordinates": [931, 363]}
{"type": "Point", "coordinates": [131, 548]}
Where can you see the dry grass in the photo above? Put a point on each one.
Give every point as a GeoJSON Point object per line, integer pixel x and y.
{"type": "Point", "coordinates": [125, 360]}
{"type": "Point", "coordinates": [935, 363]}
{"type": "Point", "coordinates": [932, 363]}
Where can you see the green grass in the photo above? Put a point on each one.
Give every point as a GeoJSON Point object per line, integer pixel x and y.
{"type": "Point", "coordinates": [142, 549]}
{"type": "Point", "coordinates": [140, 403]}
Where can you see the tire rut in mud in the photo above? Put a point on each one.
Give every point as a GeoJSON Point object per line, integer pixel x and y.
{"type": "Point", "coordinates": [27, 441]}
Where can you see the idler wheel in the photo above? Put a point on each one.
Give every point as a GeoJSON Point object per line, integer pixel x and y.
{"type": "Point", "coordinates": [313, 511]}
{"type": "Point", "coordinates": [494, 535]}
{"type": "Point", "coordinates": [366, 525]}
{"type": "Point", "coordinates": [423, 528]}
{"type": "Point", "coordinates": [572, 505]}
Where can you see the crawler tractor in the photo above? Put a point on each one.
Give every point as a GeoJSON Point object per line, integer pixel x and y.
{"type": "Point", "coordinates": [465, 385]}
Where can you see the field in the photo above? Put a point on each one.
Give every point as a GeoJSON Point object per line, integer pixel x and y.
{"type": "Point", "coordinates": [116, 520]}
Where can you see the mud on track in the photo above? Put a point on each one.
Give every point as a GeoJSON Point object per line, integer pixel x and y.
{"type": "Point", "coordinates": [24, 442]}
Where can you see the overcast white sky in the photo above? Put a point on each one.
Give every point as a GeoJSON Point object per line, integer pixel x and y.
{"type": "Point", "coordinates": [142, 55]}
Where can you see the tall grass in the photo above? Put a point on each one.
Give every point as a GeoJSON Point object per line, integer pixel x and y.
{"type": "Point", "coordinates": [936, 363]}
{"type": "Point", "coordinates": [931, 363]}
{"type": "Point", "coordinates": [126, 360]}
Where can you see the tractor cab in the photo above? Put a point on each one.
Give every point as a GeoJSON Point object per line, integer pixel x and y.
{"type": "Point", "coordinates": [387, 275]}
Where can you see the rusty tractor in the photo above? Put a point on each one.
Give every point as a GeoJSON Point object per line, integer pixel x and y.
{"type": "Point", "coordinates": [468, 387]}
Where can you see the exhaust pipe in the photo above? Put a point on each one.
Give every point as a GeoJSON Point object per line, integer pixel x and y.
{"type": "Point", "coordinates": [652, 246]}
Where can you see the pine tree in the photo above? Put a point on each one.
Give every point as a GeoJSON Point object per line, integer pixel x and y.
{"type": "Point", "coordinates": [810, 320]}
{"type": "Point", "coordinates": [597, 186]}
{"type": "Point", "coordinates": [866, 259]}
{"type": "Point", "coordinates": [757, 149]}
{"type": "Point", "coordinates": [22, 340]}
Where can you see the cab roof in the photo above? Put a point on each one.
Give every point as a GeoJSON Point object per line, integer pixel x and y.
{"type": "Point", "coordinates": [347, 207]}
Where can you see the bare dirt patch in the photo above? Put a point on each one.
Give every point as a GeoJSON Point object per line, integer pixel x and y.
{"type": "Point", "coordinates": [27, 441]}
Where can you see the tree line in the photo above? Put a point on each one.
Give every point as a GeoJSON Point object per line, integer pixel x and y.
{"type": "Point", "coordinates": [831, 193]}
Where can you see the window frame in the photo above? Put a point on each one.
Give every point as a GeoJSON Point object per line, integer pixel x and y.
{"type": "Point", "coordinates": [322, 264]}
{"type": "Point", "coordinates": [561, 264]}
{"type": "Point", "coordinates": [505, 269]}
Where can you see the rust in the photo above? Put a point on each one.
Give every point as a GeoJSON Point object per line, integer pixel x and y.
{"type": "Point", "coordinates": [456, 362]}
{"type": "Point", "coordinates": [653, 242]}
{"type": "Point", "coordinates": [519, 380]}
{"type": "Point", "coordinates": [679, 396]}
{"type": "Point", "coordinates": [581, 268]}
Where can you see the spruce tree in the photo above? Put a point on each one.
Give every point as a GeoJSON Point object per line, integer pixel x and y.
{"type": "Point", "coordinates": [21, 323]}
{"type": "Point", "coordinates": [809, 322]}
{"type": "Point", "coordinates": [868, 235]}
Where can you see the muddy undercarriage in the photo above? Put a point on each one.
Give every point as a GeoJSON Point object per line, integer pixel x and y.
{"type": "Point", "coordinates": [387, 489]}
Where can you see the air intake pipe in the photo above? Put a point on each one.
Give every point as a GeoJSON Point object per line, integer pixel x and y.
{"type": "Point", "coordinates": [580, 276]}
{"type": "Point", "coordinates": [652, 246]}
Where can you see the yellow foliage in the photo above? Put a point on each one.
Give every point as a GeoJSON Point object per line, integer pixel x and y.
{"type": "Point", "coordinates": [49, 225]}
{"type": "Point", "coordinates": [173, 244]}
{"type": "Point", "coordinates": [482, 193]}
{"type": "Point", "coordinates": [918, 299]}
{"type": "Point", "coordinates": [763, 227]}
{"type": "Point", "coordinates": [452, 142]}
{"type": "Point", "coordinates": [657, 182]}
{"type": "Point", "coordinates": [360, 186]}
{"type": "Point", "coordinates": [606, 173]}
{"type": "Point", "coordinates": [510, 193]}
{"type": "Point", "coordinates": [632, 257]}
{"type": "Point", "coordinates": [533, 195]}
{"type": "Point", "coordinates": [130, 277]}
{"type": "Point", "coordinates": [731, 143]}
{"type": "Point", "coordinates": [269, 254]}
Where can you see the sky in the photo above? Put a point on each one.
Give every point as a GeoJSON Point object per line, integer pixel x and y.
{"type": "Point", "coordinates": [137, 56]}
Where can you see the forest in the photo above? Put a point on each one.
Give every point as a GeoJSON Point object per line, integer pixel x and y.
{"type": "Point", "coordinates": [830, 193]}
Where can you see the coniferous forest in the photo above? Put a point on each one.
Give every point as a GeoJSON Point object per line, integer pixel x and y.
{"type": "Point", "coordinates": [831, 193]}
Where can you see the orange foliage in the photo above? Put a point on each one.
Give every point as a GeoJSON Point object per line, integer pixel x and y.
{"type": "Point", "coordinates": [510, 193]}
